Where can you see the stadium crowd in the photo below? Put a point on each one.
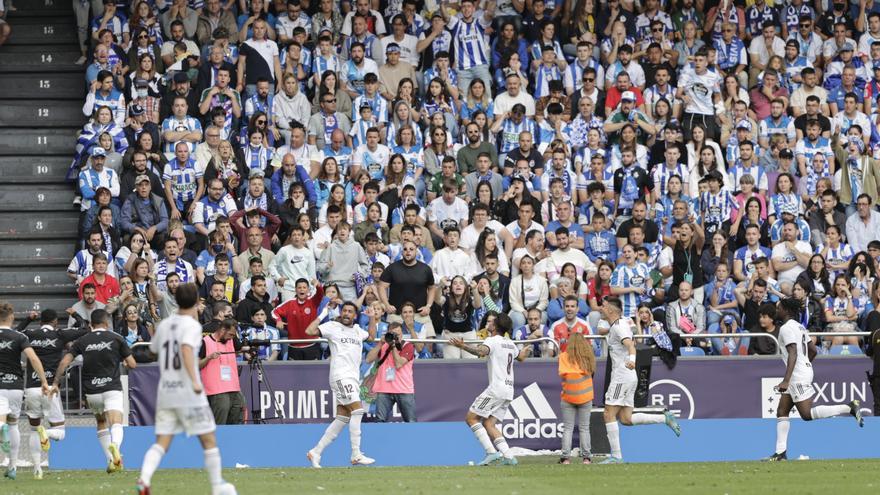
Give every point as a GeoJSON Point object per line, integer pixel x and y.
{"type": "Point", "coordinates": [444, 162]}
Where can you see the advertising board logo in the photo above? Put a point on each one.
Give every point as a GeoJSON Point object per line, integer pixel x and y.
{"type": "Point", "coordinates": [672, 395]}
{"type": "Point", "coordinates": [531, 416]}
{"type": "Point", "coordinates": [826, 393]}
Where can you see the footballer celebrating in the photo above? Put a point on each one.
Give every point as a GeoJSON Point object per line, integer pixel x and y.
{"type": "Point", "coordinates": [181, 403]}
{"type": "Point", "coordinates": [621, 391]}
{"type": "Point", "coordinates": [490, 407]}
{"type": "Point", "coordinates": [48, 343]}
{"type": "Point", "coordinates": [102, 350]}
{"type": "Point", "coordinates": [12, 345]}
{"type": "Point", "coordinates": [346, 339]}
{"type": "Point", "coordinates": [797, 385]}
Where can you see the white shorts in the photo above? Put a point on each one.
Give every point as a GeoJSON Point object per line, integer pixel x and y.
{"type": "Point", "coordinates": [105, 401]}
{"type": "Point", "coordinates": [621, 393]}
{"type": "Point", "coordinates": [800, 391]}
{"type": "Point", "coordinates": [38, 406]}
{"type": "Point", "coordinates": [192, 421]}
{"type": "Point", "coordinates": [346, 391]}
{"type": "Point", "coordinates": [485, 406]}
{"type": "Point", "coordinates": [10, 403]}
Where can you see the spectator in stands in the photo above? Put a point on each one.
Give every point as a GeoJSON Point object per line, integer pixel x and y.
{"type": "Point", "coordinates": [766, 322]}
{"type": "Point", "coordinates": [106, 286]}
{"type": "Point", "coordinates": [341, 260]}
{"type": "Point", "coordinates": [863, 225]}
{"type": "Point", "coordinates": [256, 299]}
{"type": "Point", "coordinates": [172, 263]}
{"type": "Point", "coordinates": [686, 316]}
{"type": "Point", "coordinates": [144, 212]}
{"type": "Point", "coordinates": [110, 19]}
{"type": "Point", "coordinates": [86, 304]}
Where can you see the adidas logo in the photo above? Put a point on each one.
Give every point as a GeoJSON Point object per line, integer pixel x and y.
{"type": "Point", "coordinates": [531, 416]}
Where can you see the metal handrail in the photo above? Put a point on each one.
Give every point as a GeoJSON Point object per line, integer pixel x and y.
{"type": "Point", "coordinates": [839, 334]}
{"type": "Point", "coordinates": [412, 341]}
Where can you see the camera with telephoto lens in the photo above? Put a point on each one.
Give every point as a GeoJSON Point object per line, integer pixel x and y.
{"type": "Point", "coordinates": [393, 339]}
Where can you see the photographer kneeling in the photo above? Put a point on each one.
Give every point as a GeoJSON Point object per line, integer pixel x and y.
{"type": "Point", "coordinates": [394, 376]}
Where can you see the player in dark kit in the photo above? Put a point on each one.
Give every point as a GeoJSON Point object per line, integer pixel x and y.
{"type": "Point", "coordinates": [48, 342]}
{"type": "Point", "coordinates": [102, 351]}
{"type": "Point", "coordinates": [12, 345]}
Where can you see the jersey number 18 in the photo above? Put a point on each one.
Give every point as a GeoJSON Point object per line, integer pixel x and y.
{"type": "Point", "coordinates": [172, 348]}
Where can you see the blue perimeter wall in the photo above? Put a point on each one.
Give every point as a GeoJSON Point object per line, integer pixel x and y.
{"type": "Point", "coordinates": [450, 444]}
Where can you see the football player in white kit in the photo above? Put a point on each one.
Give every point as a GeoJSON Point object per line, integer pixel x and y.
{"type": "Point", "coordinates": [621, 391]}
{"type": "Point", "coordinates": [181, 403]}
{"type": "Point", "coordinates": [797, 386]}
{"type": "Point", "coordinates": [490, 407]}
{"type": "Point", "coordinates": [346, 339]}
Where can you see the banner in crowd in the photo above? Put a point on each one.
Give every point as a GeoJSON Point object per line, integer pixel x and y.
{"type": "Point", "coordinates": [694, 389]}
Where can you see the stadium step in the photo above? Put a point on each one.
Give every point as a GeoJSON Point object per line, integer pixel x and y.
{"type": "Point", "coordinates": [36, 253]}
{"type": "Point", "coordinates": [29, 281]}
{"type": "Point", "coordinates": [33, 169]}
{"type": "Point", "coordinates": [44, 198]}
{"type": "Point", "coordinates": [38, 141]}
{"type": "Point", "coordinates": [36, 8]}
{"type": "Point", "coordinates": [29, 225]}
{"type": "Point", "coordinates": [24, 303]}
{"type": "Point", "coordinates": [41, 30]}
{"type": "Point", "coordinates": [44, 86]}
{"type": "Point", "coordinates": [40, 58]}
{"type": "Point", "coordinates": [44, 113]}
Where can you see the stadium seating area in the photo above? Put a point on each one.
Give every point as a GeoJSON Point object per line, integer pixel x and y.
{"type": "Point", "coordinates": [697, 159]}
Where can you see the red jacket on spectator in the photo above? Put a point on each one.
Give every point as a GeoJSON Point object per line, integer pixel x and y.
{"type": "Point", "coordinates": [103, 292]}
{"type": "Point", "coordinates": [298, 315]}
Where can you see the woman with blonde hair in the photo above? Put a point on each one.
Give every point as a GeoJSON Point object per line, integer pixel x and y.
{"type": "Point", "coordinates": [576, 367]}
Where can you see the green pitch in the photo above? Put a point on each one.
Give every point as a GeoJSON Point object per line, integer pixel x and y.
{"type": "Point", "coordinates": [535, 475]}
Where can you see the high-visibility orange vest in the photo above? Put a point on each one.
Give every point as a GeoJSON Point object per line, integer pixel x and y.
{"type": "Point", "coordinates": [577, 385]}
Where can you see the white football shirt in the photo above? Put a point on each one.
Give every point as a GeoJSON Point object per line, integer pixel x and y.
{"type": "Point", "coordinates": [793, 332]}
{"type": "Point", "coordinates": [502, 353]}
{"type": "Point", "coordinates": [621, 330]}
{"type": "Point", "coordinates": [346, 349]}
{"type": "Point", "coordinates": [175, 388]}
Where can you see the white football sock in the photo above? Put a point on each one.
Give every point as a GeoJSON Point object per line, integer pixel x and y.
{"type": "Point", "coordinates": [483, 437]}
{"type": "Point", "coordinates": [214, 466]}
{"type": "Point", "coordinates": [104, 440]}
{"type": "Point", "coordinates": [613, 430]}
{"type": "Point", "coordinates": [34, 444]}
{"type": "Point", "coordinates": [14, 444]}
{"type": "Point", "coordinates": [151, 462]}
{"type": "Point", "coordinates": [782, 426]}
{"type": "Point", "coordinates": [331, 433]}
{"type": "Point", "coordinates": [56, 433]}
{"type": "Point", "coordinates": [354, 431]}
{"type": "Point", "coordinates": [822, 412]}
{"type": "Point", "coordinates": [648, 419]}
{"type": "Point", "coordinates": [501, 444]}
{"type": "Point", "coordinates": [116, 433]}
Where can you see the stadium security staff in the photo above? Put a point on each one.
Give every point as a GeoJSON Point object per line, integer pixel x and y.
{"type": "Point", "coordinates": [219, 371]}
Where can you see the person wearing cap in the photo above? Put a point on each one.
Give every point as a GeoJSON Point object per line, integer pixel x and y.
{"type": "Point", "coordinates": [763, 47]}
{"type": "Point", "coordinates": [138, 165]}
{"type": "Point", "coordinates": [95, 177]}
{"type": "Point", "coordinates": [846, 56]}
{"type": "Point", "coordinates": [622, 84]}
{"type": "Point", "coordinates": [515, 94]}
{"type": "Point", "coordinates": [628, 114]}
{"type": "Point", "coordinates": [836, 30]}
{"type": "Point", "coordinates": [144, 212]}
{"type": "Point", "coordinates": [148, 98]}
{"type": "Point", "coordinates": [848, 79]}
